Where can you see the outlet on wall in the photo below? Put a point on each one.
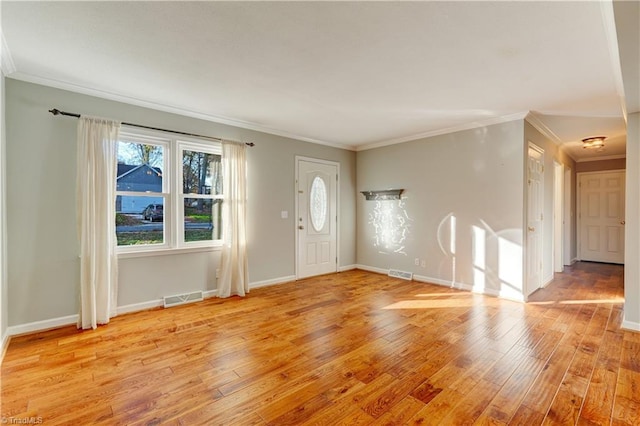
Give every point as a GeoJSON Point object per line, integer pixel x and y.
{"type": "Point", "coordinates": [416, 261]}
{"type": "Point", "coordinates": [423, 263]}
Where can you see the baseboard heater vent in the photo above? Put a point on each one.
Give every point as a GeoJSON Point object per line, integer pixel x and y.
{"type": "Point", "coordinates": [401, 274]}
{"type": "Point", "coordinates": [181, 299]}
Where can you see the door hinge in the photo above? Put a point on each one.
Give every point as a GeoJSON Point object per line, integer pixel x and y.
{"type": "Point", "coordinates": [541, 216]}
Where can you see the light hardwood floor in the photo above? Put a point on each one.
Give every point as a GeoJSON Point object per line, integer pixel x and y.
{"type": "Point", "coordinates": [350, 348]}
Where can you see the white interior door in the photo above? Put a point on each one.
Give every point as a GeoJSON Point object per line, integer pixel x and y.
{"type": "Point", "coordinates": [535, 204]}
{"type": "Point", "coordinates": [558, 217]}
{"type": "Point", "coordinates": [601, 216]}
{"type": "Point", "coordinates": [317, 219]}
{"type": "Point", "coordinates": [568, 216]}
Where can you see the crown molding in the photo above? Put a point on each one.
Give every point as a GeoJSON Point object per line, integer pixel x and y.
{"type": "Point", "coordinates": [57, 84]}
{"type": "Point", "coordinates": [6, 61]}
{"type": "Point", "coordinates": [437, 132]}
{"type": "Point", "coordinates": [604, 157]}
{"type": "Point", "coordinates": [534, 119]}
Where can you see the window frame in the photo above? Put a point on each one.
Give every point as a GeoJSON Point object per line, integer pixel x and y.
{"type": "Point", "coordinates": [173, 207]}
{"type": "Point", "coordinates": [187, 145]}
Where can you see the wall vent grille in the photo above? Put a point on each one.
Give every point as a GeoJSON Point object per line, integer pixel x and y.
{"type": "Point", "coordinates": [400, 274]}
{"type": "Point", "coordinates": [181, 299]}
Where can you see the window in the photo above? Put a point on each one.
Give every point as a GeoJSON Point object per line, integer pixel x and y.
{"type": "Point", "coordinates": [169, 193]}
{"type": "Point", "coordinates": [201, 195]}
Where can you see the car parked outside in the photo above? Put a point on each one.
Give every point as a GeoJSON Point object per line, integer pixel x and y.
{"type": "Point", "coordinates": [153, 212]}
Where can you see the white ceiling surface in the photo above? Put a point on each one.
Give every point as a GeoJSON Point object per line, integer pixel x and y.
{"type": "Point", "coordinates": [349, 74]}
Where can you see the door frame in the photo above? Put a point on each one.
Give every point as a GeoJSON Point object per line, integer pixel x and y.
{"type": "Point", "coordinates": [578, 201]}
{"type": "Point", "coordinates": [568, 215]}
{"type": "Point", "coordinates": [298, 159]}
{"type": "Point", "coordinates": [528, 288]}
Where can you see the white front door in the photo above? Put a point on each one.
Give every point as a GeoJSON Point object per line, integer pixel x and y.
{"type": "Point", "coordinates": [601, 216]}
{"type": "Point", "coordinates": [317, 220]}
{"type": "Point", "coordinates": [535, 204]}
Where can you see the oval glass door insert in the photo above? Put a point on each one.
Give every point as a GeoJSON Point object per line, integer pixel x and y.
{"type": "Point", "coordinates": [318, 203]}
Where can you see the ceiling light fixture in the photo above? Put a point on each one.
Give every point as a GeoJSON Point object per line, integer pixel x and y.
{"type": "Point", "coordinates": [594, 142]}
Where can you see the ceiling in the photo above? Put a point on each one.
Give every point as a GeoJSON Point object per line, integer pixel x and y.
{"type": "Point", "coordinates": [349, 74]}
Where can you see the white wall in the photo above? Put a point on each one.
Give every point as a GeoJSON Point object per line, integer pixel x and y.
{"type": "Point", "coordinates": [42, 243]}
{"type": "Point", "coordinates": [3, 270]}
{"type": "Point", "coordinates": [632, 227]}
{"type": "Point", "coordinates": [475, 176]}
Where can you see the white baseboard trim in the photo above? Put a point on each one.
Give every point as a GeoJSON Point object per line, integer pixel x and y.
{"type": "Point", "coordinates": [546, 281]}
{"type": "Point", "coordinates": [143, 306]}
{"type": "Point", "coordinates": [443, 283]}
{"type": "Point", "coordinates": [468, 287]}
{"type": "Point", "coordinates": [136, 307]}
{"type": "Point", "coordinates": [630, 325]}
{"type": "Point", "coordinates": [347, 268]}
{"type": "Point", "coordinates": [209, 293]}
{"type": "Point", "coordinates": [32, 327]}
{"type": "Point", "coordinates": [372, 269]}
{"type": "Point", "coordinates": [4, 344]}
{"type": "Point", "coordinates": [448, 283]}
{"type": "Point", "coordinates": [274, 281]}
{"type": "Point", "coordinates": [49, 324]}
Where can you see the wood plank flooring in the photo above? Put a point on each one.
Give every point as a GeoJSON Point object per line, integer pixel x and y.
{"type": "Point", "coordinates": [351, 348]}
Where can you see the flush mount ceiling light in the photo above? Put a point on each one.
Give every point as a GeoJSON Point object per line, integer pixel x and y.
{"type": "Point", "coordinates": [593, 142]}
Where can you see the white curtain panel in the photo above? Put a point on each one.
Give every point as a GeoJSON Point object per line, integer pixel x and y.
{"type": "Point", "coordinates": [96, 196]}
{"type": "Point", "coordinates": [234, 271]}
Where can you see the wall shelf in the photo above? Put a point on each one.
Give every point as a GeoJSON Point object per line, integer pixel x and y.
{"type": "Point", "coordinates": [384, 194]}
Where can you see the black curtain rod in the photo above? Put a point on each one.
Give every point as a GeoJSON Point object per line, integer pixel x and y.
{"type": "Point", "coordinates": [56, 111]}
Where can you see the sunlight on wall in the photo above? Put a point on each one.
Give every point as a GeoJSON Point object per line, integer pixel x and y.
{"type": "Point", "coordinates": [390, 222]}
{"type": "Point", "coordinates": [447, 243]}
{"type": "Point", "coordinates": [491, 260]}
{"type": "Point", "coordinates": [509, 267]}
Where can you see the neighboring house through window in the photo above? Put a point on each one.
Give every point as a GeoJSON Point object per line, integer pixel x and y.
{"type": "Point", "coordinates": [169, 193]}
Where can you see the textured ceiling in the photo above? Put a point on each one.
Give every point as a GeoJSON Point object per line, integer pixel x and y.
{"type": "Point", "coordinates": [349, 74]}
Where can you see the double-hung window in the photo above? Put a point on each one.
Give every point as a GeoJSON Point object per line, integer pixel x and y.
{"type": "Point", "coordinates": [168, 193]}
{"type": "Point", "coordinates": [200, 199]}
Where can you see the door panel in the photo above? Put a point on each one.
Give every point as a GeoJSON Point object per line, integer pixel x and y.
{"type": "Point", "coordinates": [317, 218]}
{"type": "Point", "coordinates": [601, 216]}
{"type": "Point", "coordinates": [535, 208]}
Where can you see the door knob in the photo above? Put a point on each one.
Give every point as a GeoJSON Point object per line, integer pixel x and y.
{"type": "Point", "coordinates": [622, 222]}
{"type": "Point", "coordinates": [531, 229]}
{"type": "Point", "coordinates": [300, 227]}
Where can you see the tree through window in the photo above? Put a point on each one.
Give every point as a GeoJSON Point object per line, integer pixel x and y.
{"type": "Point", "coordinates": [169, 193]}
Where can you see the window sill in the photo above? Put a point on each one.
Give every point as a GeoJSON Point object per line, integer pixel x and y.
{"type": "Point", "coordinates": [167, 251]}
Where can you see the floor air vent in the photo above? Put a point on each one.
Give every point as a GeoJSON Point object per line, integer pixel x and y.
{"type": "Point", "coordinates": [400, 274]}
{"type": "Point", "coordinates": [181, 299]}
